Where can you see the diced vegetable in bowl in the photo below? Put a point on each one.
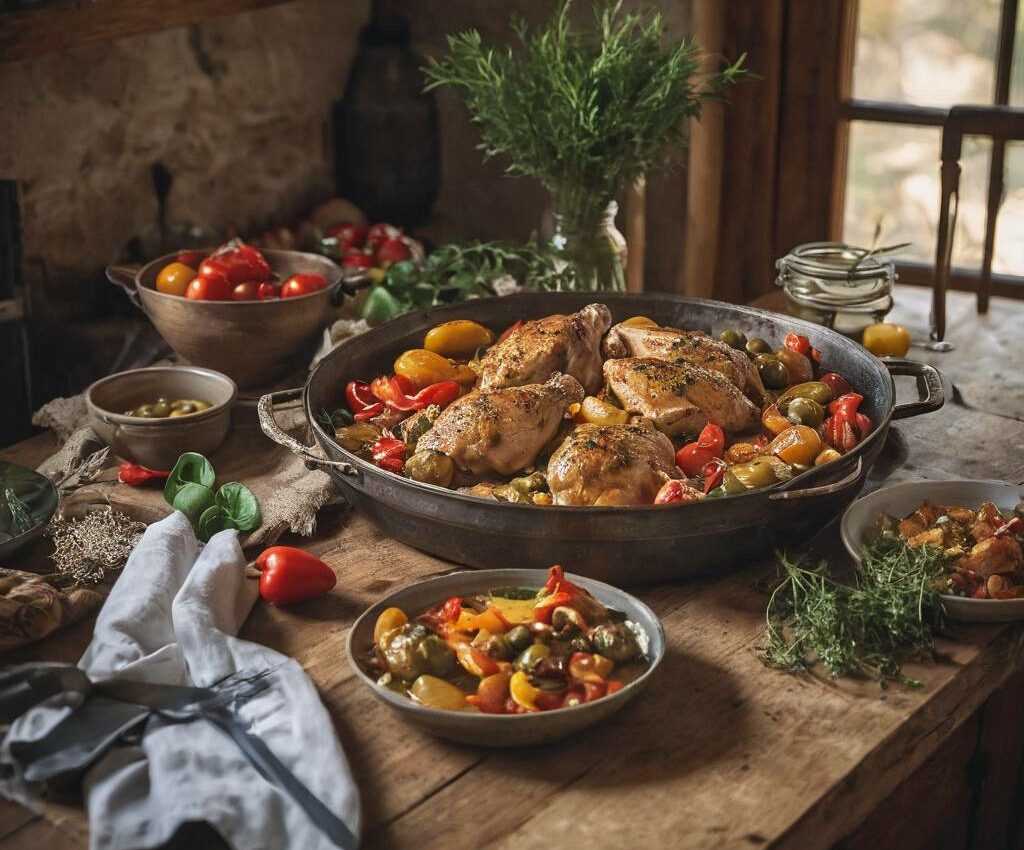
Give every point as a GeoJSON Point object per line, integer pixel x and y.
{"type": "Point", "coordinates": [506, 657]}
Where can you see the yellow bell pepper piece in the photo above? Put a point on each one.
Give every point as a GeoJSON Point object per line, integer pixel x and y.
{"type": "Point", "coordinates": [523, 692]}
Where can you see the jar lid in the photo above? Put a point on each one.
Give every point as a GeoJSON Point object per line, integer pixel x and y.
{"type": "Point", "coordinates": [835, 262]}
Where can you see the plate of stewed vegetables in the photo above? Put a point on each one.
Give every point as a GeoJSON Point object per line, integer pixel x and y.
{"type": "Point", "coordinates": [506, 657]}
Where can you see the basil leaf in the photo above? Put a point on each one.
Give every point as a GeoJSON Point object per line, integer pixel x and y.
{"type": "Point", "coordinates": [380, 305]}
{"type": "Point", "coordinates": [191, 468]}
{"type": "Point", "coordinates": [192, 499]}
{"type": "Point", "coordinates": [214, 519]}
{"type": "Point", "coordinates": [240, 505]}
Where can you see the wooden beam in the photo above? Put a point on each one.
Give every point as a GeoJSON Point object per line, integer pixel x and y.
{"type": "Point", "coordinates": [636, 234]}
{"type": "Point", "coordinates": [58, 26]}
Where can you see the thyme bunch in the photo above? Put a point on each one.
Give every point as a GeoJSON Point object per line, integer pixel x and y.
{"type": "Point", "coordinates": [884, 614]}
{"type": "Point", "coordinates": [585, 111]}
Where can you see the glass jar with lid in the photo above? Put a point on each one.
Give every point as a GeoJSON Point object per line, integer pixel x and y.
{"type": "Point", "coordinates": [837, 285]}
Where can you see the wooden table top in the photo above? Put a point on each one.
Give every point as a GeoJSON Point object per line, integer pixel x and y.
{"type": "Point", "coordinates": [721, 751]}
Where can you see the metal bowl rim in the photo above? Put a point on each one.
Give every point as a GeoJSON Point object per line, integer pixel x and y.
{"type": "Point", "coordinates": [163, 421]}
{"type": "Point", "coordinates": [404, 703]}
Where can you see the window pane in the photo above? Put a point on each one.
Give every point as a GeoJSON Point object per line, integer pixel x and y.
{"type": "Point", "coordinates": [926, 52]}
{"type": "Point", "coordinates": [1009, 248]}
{"type": "Point", "coordinates": [892, 176]}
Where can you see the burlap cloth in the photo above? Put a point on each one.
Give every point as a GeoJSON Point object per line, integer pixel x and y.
{"type": "Point", "coordinates": [290, 495]}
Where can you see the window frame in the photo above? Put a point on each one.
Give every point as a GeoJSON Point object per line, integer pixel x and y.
{"type": "Point", "coordinates": [851, 109]}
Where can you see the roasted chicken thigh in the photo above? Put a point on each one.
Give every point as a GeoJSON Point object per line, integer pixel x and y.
{"type": "Point", "coordinates": [679, 397]}
{"type": "Point", "coordinates": [502, 430]}
{"type": "Point", "coordinates": [538, 349]}
{"type": "Point", "coordinates": [611, 465]}
{"type": "Point", "coordinates": [694, 347]}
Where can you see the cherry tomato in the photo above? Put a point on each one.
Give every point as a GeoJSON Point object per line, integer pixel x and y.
{"type": "Point", "coordinates": [192, 259]}
{"type": "Point", "coordinates": [798, 343]}
{"type": "Point", "coordinates": [356, 259]}
{"type": "Point", "coordinates": [348, 235]}
{"type": "Point", "coordinates": [268, 290]}
{"type": "Point", "coordinates": [302, 284]}
{"type": "Point", "coordinates": [248, 291]}
{"type": "Point", "coordinates": [712, 438]}
{"type": "Point", "coordinates": [691, 458]}
{"type": "Point", "coordinates": [380, 232]}
{"type": "Point", "coordinates": [214, 288]}
{"type": "Point", "coordinates": [676, 491]}
{"type": "Point", "coordinates": [837, 383]}
{"type": "Point", "coordinates": [392, 251]}
{"type": "Point", "coordinates": [174, 278]}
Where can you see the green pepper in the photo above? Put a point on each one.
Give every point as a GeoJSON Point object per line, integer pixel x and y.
{"type": "Point", "coordinates": [805, 411]}
{"type": "Point", "coordinates": [814, 390]}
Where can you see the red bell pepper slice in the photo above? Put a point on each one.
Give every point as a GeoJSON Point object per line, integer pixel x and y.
{"type": "Point", "coordinates": [359, 396]}
{"type": "Point", "coordinates": [388, 453]}
{"type": "Point", "coordinates": [559, 591]}
{"type": "Point", "coordinates": [505, 334]}
{"type": "Point", "coordinates": [802, 345]}
{"type": "Point", "coordinates": [713, 472]}
{"type": "Point", "coordinates": [397, 393]}
{"type": "Point", "coordinates": [712, 438]}
{"type": "Point", "coordinates": [846, 427]}
{"type": "Point", "coordinates": [451, 610]}
{"type": "Point", "coordinates": [371, 411]}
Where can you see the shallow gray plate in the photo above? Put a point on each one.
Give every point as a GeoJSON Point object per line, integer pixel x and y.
{"type": "Point", "coordinates": [499, 730]}
{"type": "Point", "coordinates": [858, 526]}
{"type": "Point", "coordinates": [39, 496]}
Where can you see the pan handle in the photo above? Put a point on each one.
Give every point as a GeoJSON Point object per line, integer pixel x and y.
{"type": "Point", "coordinates": [929, 387]}
{"type": "Point", "coordinates": [822, 490]}
{"type": "Point", "coordinates": [124, 277]}
{"type": "Point", "coordinates": [265, 411]}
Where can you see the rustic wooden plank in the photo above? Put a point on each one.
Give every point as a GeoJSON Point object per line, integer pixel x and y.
{"type": "Point", "coordinates": [58, 26]}
{"type": "Point", "coordinates": [13, 817]}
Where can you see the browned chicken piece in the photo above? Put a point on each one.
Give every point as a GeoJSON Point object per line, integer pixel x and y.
{"type": "Point", "coordinates": [538, 349]}
{"type": "Point", "coordinates": [993, 556]}
{"type": "Point", "coordinates": [679, 397]}
{"type": "Point", "coordinates": [999, 587]}
{"type": "Point", "coordinates": [694, 347]}
{"type": "Point", "coordinates": [982, 530]}
{"type": "Point", "coordinates": [964, 515]}
{"type": "Point", "coordinates": [933, 537]}
{"type": "Point", "coordinates": [611, 465]}
{"type": "Point", "coordinates": [502, 430]}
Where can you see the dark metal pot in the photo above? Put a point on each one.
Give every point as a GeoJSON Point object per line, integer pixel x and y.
{"type": "Point", "coordinates": [621, 545]}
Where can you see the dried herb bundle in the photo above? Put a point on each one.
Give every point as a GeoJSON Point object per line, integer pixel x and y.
{"type": "Point", "coordinates": [884, 614]}
{"type": "Point", "coordinates": [84, 549]}
{"type": "Point", "coordinates": [583, 110]}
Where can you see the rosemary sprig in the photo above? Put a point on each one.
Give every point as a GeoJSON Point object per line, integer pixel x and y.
{"type": "Point", "coordinates": [884, 614]}
{"type": "Point", "coordinates": [21, 520]}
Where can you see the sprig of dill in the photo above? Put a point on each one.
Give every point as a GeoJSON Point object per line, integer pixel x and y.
{"type": "Point", "coordinates": [584, 110]}
{"type": "Point", "coordinates": [884, 614]}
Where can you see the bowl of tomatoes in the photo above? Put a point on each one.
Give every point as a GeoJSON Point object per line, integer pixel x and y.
{"type": "Point", "coordinates": [253, 314]}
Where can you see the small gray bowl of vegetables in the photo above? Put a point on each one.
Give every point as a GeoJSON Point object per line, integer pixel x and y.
{"type": "Point", "coordinates": [506, 658]}
{"type": "Point", "coordinates": [151, 416]}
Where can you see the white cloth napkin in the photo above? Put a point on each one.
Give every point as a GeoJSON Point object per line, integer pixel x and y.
{"type": "Point", "coordinates": [172, 618]}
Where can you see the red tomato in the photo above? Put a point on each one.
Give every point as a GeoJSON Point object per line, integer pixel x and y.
{"type": "Point", "coordinates": [213, 288]}
{"type": "Point", "coordinates": [248, 291]}
{"type": "Point", "coordinates": [192, 259]}
{"type": "Point", "coordinates": [348, 235]}
{"type": "Point", "coordinates": [239, 264]}
{"type": "Point", "coordinates": [798, 343]}
{"type": "Point", "coordinates": [691, 458]}
{"type": "Point", "coordinates": [392, 251]}
{"type": "Point", "coordinates": [837, 383]}
{"type": "Point", "coordinates": [357, 259]}
{"type": "Point", "coordinates": [675, 491]}
{"type": "Point", "coordinates": [268, 290]}
{"type": "Point", "coordinates": [302, 284]}
{"type": "Point", "coordinates": [712, 438]}
{"type": "Point", "coordinates": [380, 232]}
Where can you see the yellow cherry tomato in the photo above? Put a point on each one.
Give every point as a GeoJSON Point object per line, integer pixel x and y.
{"type": "Point", "coordinates": [174, 279]}
{"type": "Point", "coordinates": [522, 691]}
{"type": "Point", "coordinates": [886, 340]}
{"type": "Point", "coordinates": [640, 322]}
{"type": "Point", "coordinates": [459, 338]}
{"type": "Point", "coordinates": [598, 412]}
{"type": "Point", "coordinates": [797, 444]}
{"type": "Point", "coordinates": [424, 367]}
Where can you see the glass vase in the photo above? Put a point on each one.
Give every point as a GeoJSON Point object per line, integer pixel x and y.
{"type": "Point", "coordinates": [590, 241]}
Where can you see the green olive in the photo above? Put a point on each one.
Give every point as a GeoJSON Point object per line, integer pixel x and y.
{"type": "Point", "coordinates": [773, 373]}
{"type": "Point", "coordinates": [163, 400]}
{"type": "Point", "coordinates": [758, 346]}
{"type": "Point", "coordinates": [145, 411]}
{"type": "Point", "coordinates": [182, 408]}
{"type": "Point", "coordinates": [431, 467]}
{"type": "Point", "coordinates": [814, 390]}
{"type": "Point", "coordinates": [519, 638]}
{"type": "Point", "coordinates": [161, 409]}
{"type": "Point", "coordinates": [199, 404]}
{"type": "Point", "coordinates": [805, 411]}
{"type": "Point", "coordinates": [760, 472]}
{"type": "Point", "coordinates": [529, 658]}
{"type": "Point", "coordinates": [734, 339]}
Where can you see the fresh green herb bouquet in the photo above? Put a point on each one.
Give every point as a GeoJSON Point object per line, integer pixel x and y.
{"type": "Point", "coordinates": [585, 111]}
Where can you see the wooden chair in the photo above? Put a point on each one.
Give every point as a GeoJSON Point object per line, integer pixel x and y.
{"type": "Point", "coordinates": [1002, 124]}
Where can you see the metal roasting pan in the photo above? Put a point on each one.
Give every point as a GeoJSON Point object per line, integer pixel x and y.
{"type": "Point", "coordinates": [619, 545]}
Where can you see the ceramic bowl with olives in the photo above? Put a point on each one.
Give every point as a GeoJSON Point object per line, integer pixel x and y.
{"type": "Point", "coordinates": [151, 416]}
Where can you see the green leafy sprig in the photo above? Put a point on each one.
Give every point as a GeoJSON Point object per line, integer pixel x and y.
{"type": "Point", "coordinates": [885, 613]}
{"type": "Point", "coordinates": [584, 111]}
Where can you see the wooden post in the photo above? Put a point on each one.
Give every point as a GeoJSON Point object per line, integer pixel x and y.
{"type": "Point", "coordinates": [636, 234]}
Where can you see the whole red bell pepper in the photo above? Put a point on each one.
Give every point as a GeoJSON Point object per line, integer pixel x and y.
{"type": "Point", "coordinates": [237, 262]}
{"type": "Point", "coordinates": [388, 453]}
{"type": "Point", "coordinates": [290, 575]}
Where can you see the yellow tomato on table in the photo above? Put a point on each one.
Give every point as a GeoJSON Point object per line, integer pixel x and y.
{"type": "Point", "coordinates": [886, 340]}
